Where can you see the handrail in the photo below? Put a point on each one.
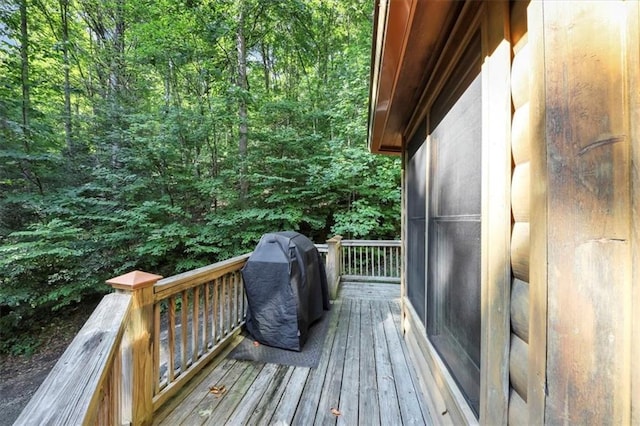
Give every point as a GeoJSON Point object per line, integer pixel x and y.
{"type": "Point", "coordinates": [322, 248]}
{"type": "Point", "coordinates": [88, 374]}
{"type": "Point", "coordinates": [371, 243]}
{"type": "Point", "coordinates": [172, 285]}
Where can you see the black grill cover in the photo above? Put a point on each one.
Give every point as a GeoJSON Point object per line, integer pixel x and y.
{"type": "Point", "coordinates": [286, 286]}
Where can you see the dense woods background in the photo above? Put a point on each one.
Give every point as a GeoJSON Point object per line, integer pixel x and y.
{"type": "Point", "coordinates": [164, 135]}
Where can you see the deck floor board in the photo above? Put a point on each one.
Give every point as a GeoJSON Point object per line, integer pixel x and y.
{"type": "Point", "coordinates": [330, 392]}
{"type": "Point", "coordinates": [364, 374]}
{"type": "Point", "coordinates": [349, 393]}
{"type": "Point", "coordinates": [387, 395]}
{"type": "Point", "coordinates": [369, 409]}
{"type": "Point", "coordinates": [291, 397]}
{"type": "Point", "coordinates": [263, 413]}
{"type": "Point", "coordinates": [310, 398]}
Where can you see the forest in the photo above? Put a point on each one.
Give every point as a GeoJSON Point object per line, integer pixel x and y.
{"type": "Point", "coordinates": [164, 135]}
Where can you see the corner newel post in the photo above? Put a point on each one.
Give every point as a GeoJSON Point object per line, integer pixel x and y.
{"type": "Point", "coordinates": [138, 380]}
{"type": "Point", "coordinates": [334, 259]}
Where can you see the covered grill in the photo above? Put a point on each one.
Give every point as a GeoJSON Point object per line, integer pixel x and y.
{"type": "Point", "coordinates": [286, 287]}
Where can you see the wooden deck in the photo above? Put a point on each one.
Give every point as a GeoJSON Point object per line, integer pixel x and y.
{"type": "Point", "coordinates": [364, 376]}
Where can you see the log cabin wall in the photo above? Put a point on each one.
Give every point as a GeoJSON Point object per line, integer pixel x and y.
{"type": "Point", "coordinates": [584, 263]}
{"type": "Point", "coordinates": [560, 213]}
{"type": "Point", "coordinates": [520, 208]}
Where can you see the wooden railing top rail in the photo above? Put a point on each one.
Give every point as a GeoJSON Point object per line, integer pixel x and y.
{"type": "Point", "coordinates": [71, 393]}
{"type": "Point", "coordinates": [370, 243]}
{"type": "Point", "coordinates": [175, 284]}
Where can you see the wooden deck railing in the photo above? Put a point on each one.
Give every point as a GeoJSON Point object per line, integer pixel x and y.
{"type": "Point", "coordinates": [195, 315]}
{"type": "Point", "coordinates": [146, 341]}
{"type": "Point", "coordinates": [84, 387]}
{"type": "Point", "coordinates": [370, 260]}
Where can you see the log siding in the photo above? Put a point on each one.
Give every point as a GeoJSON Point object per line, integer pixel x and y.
{"type": "Point", "coordinates": [520, 210]}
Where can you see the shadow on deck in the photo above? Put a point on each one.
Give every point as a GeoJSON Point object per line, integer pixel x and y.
{"type": "Point", "coordinates": [364, 376]}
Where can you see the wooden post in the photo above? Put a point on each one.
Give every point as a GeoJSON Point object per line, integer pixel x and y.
{"type": "Point", "coordinates": [582, 212]}
{"type": "Point", "coordinates": [138, 360]}
{"type": "Point", "coordinates": [334, 259]}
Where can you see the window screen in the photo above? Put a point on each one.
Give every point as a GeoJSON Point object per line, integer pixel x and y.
{"type": "Point", "coordinates": [416, 221]}
{"type": "Point", "coordinates": [453, 286]}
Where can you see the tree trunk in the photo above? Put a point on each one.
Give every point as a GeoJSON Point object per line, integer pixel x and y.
{"type": "Point", "coordinates": [242, 101]}
{"type": "Point", "coordinates": [30, 175]}
{"type": "Point", "coordinates": [64, 20]}
{"type": "Point", "coordinates": [117, 87]}
{"type": "Point", "coordinates": [24, 55]}
{"type": "Point", "coordinates": [265, 65]}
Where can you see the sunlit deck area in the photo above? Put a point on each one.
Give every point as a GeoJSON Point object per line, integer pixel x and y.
{"type": "Point", "coordinates": [364, 376]}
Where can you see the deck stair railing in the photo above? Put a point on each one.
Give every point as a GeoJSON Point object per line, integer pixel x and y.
{"type": "Point", "coordinates": [144, 342]}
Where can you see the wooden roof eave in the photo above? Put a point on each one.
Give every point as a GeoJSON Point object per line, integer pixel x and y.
{"type": "Point", "coordinates": [408, 35]}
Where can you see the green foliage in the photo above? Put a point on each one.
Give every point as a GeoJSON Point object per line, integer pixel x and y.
{"type": "Point", "coordinates": [143, 171]}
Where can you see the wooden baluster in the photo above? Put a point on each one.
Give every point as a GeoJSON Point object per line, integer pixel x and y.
{"type": "Point", "coordinates": [352, 260]}
{"type": "Point", "coordinates": [333, 264]}
{"type": "Point", "coordinates": [366, 265]}
{"type": "Point", "coordinates": [236, 298]}
{"type": "Point", "coordinates": [344, 259]}
{"type": "Point", "coordinates": [156, 348]}
{"type": "Point", "coordinates": [223, 306]}
{"type": "Point", "coordinates": [234, 301]}
{"type": "Point", "coordinates": [392, 259]}
{"type": "Point", "coordinates": [371, 268]}
{"type": "Point", "coordinates": [374, 262]}
{"type": "Point", "coordinates": [384, 261]}
{"type": "Point", "coordinates": [216, 310]}
{"type": "Point", "coordinates": [229, 299]}
{"type": "Point", "coordinates": [171, 364]}
{"type": "Point", "coordinates": [240, 294]}
{"type": "Point", "coordinates": [139, 344]}
{"type": "Point", "coordinates": [242, 300]}
{"type": "Point", "coordinates": [205, 318]}
{"type": "Point", "coordinates": [195, 325]}
{"type": "Point", "coordinates": [184, 324]}
{"type": "Point", "coordinates": [116, 390]}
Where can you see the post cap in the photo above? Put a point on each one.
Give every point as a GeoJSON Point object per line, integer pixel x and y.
{"type": "Point", "coordinates": [335, 239]}
{"type": "Point", "coordinates": [134, 280]}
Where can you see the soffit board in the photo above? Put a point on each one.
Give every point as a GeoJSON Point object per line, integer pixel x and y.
{"type": "Point", "coordinates": [408, 37]}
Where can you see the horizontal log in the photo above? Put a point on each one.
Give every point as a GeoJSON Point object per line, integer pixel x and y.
{"type": "Point", "coordinates": [520, 309]}
{"type": "Point", "coordinates": [71, 392]}
{"type": "Point", "coordinates": [518, 411]}
{"type": "Point", "coordinates": [520, 135]}
{"type": "Point", "coordinates": [518, 366]}
{"type": "Point", "coordinates": [520, 69]}
{"type": "Point", "coordinates": [520, 192]}
{"type": "Point", "coordinates": [520, 251]}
